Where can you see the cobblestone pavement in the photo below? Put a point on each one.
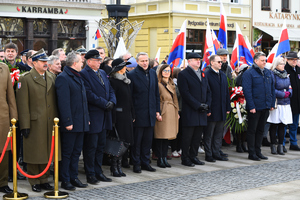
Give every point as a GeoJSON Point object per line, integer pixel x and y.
{"type": "Point", "coordinates": [199, 185]}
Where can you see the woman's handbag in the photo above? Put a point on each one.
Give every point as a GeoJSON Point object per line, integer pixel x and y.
{"type": "Point", "coordinates": [114, 146]}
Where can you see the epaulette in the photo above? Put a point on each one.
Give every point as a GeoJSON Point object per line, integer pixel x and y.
{"type": "Point", "coordinates": [25, 73]}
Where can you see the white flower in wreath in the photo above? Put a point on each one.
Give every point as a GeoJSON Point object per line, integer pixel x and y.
{"type": "Point", "coordinates": [234, 110]}
{"type": "Point", "coordinates": [236, 116]}
{"type": "Point", "coordinates": [232, 105]}
{"type": "Point", "coordinates": [240, 106]}
{"type": "Point", "coordinates": [243, 110]}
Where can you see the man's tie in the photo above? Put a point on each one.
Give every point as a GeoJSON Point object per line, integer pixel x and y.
{"type": "Point", "coordinates": [100, 78]}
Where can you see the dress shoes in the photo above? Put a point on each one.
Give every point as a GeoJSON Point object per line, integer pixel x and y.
{"type": "Point", "coordinates": [148, 168]}
{"type": "Point", "coordinates": [166, 162]}
{"type": "Point", "coordinates": [102, 177]}
{"type": "Point", "coordinates": [160, 163]}
{"type": "Point", "coordinates": [188, 163]}
{"type": "Point", "coordinates": [77, 183]}
{"type": "Point", "coordinates": [262, 157]}
{"type": "Point", "coordinates": [67, 186]}
{"type": "Point", "coordinates": [137, 169]}
{"type": "Point", "coordinates": [220, 158]}
{"type": "Point", "coordinates": [284, 149]}
{"type": "Point", "coordinates": [223, 154]}
{"type": "Point", "coordinates": [92, 180]}
{"type": "Point", "coordinates": [196, 161]}
{"type": "Point", "coordinates": [210, 159]}
{"type": "Point", "coordinates": [253, 157]}
{"type": "Point", "coordinates": [294, 147]}
{"type": "Point", "coordinates": [36, 188]}
{"type": "Point", "coordinates": [46, 186]}
{"type": "Point", "coordinates": [6, 189]}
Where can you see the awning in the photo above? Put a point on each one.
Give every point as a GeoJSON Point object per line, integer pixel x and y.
{"type": "Point", "coordinates": [294, 34]}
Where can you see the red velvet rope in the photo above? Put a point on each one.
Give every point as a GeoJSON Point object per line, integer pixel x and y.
{"type": "Point", "coordinates": [47, 167]}
{"type": "Point", "coordinates": [4, 149]}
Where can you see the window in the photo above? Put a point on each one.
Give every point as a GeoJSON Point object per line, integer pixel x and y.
{"type": "Point", "coordinates": [285, 4]}
{"type": "Point", "coordinates": [234, 1]}
{"type": "Point", "coordinates": [214, 0]}
{"type": "Point", "coordinates": [265, 5]}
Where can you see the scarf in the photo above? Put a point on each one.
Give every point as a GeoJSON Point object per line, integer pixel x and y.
{"type": "Point", "coordinates": [122, 77]}
{"type": "Point", "coordinates": [280, 74]}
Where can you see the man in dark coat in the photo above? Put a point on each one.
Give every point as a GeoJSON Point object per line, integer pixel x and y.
{"type": "Point", "coordinates": [74, 119]}
{"type": "Point", "coordinates": [220, 105]}
{"type": "Point", "coordinates": [145, 97]}
{"type": "Point", "coordinates": [259, 91]}
{"type": "Point", "coordinates": [101, 100]}
{"type": "Point", "coordinates": [294, 71]}
{"type": "Point", "coordinates": [196, 98]}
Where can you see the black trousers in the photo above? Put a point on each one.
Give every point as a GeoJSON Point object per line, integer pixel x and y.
{"type": "Point", "coordinates": [176, 143]}
{"type": "Point", "coordinates": [191, 136]}
{"type": "Point", "coordinates": [162, 147]}
{"type": "Point", "coordinates": [256, 126]}
{"type": "Point", "coordinates": [140, 150]}
{"type": "Point", "coordinates": [279, 128]}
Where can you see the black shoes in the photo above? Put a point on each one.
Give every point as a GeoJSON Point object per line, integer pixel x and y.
{"type": "Point", "coordinates": [160, 163]}
{"type": "Point", "coordinates": [220, 158]}
{"type": "Point", "coordinates": [137, 169]}
{"type": "Point", "coordinates": [273, 149]}
{"type": "Point", "coordinates": [92, 180]}
{"type": "Point", "coordinates": [280, 149]}
{"type": "Point", "coordinates": [148, 168]}
{"type": "Point", "coordinates": [36, 188]}
{"type": "Point", "coordinates": [77, 183]}
{"type": "Point", "coordinates": [67, 186]}
{"type": "Point", "coordinates": [188, 163]}
{"type": "Point", "coordinates": [294, 147]}
{"type": "Point", "coordinates": [210, 159]}
{"type": "Point", "coordinates": [253, 157]}
{"type": "Point", "coordinates": [102, 177]}
{"type": "Point", "coordinates": [165, 159]}
{"type": "Point", "coordinates": [46, 186]}
{"type": "Point", "coordinates": [196, 161]}
{"type": "Point", "coordinates": [6, 189]}
{"type": "Point", "coordinates": [262, 157]}
{"type": "Point", "coordinates": [223, 154]}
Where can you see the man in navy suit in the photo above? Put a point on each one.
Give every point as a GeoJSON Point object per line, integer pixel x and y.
{"type": "Point", "coordinates": [195, 92]}
{"type": "Point", "coordinates": [220, 105]}
{"type": "Point", "coordinates": [145, 97]}
{"type": "Point", "coordinates": [101, 100]}
{"type": "Point", "coordinates": [74, 119]}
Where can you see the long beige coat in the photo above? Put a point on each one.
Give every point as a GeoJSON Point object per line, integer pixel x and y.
{"type": "Point", "coordinates": [8, 107]}
{"type": "Point", "coordinates": [168, 127]}
{"type": "Point", "coordinates": [36, 101]}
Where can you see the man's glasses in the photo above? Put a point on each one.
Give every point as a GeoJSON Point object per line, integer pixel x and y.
{"type": "Point", "coordinates": [219, 62]}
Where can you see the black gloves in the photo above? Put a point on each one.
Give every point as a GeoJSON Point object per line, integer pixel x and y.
{"type": "Point", "coordinates": [109, 106]}
{"type": "Point", "coordinates": [203, 107]}
{"type": "Point", "coordinates": [25, 132]}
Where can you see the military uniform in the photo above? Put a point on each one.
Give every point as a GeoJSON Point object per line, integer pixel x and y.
{"type": "Point", "coordinates": [8, 111]}
{"type": "Point", "coordinates": [36, 101]}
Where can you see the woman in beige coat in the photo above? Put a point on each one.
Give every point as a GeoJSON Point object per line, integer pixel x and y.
{"type": "Point", "coordinates": [166, 129]}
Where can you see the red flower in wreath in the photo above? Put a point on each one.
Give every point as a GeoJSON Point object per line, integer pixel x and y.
{"type": "Point", "coordinates": [13, 69]}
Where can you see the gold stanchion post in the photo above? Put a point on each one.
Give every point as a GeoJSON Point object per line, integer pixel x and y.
{"type": "Point", "coordinates": [56, 194]}
{"type": "Point", "coordinates": [15, 194]}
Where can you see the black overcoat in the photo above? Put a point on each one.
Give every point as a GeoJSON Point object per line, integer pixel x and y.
{"type": "Point", "coordinates": [295, 83]}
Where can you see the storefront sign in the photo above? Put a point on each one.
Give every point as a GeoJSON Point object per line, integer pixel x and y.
{"type": "Point", "coordinates": [33, 9]}
{"type": "Point", "coordinates": [288, 16]}
{"type": "Point", "coordinates": [202, 23]}
{"type": "Point", "coordinates": [266, 24]}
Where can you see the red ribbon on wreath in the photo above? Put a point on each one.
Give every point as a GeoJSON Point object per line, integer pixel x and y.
{"type": "Point", "coordinates": [15, 75]}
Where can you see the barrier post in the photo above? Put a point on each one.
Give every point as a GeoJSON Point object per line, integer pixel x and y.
{"type": "Point", "coordinates": [56, 194]}
{"type": "Point", "coordinates": [15, 195]}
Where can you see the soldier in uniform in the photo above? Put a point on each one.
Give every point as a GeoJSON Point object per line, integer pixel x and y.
{"type": "Point", "coordinates": [36, 101]}
{"type": "Point", "coordinates": [8, 109]}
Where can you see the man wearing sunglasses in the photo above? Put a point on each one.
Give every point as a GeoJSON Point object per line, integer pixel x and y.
{"type": "Point", "coordinates": [223, 54]}
{"type": "Point", "coordinates": [220, 105]}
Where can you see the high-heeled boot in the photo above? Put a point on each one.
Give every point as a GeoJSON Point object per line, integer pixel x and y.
{"type": "Point", "coordinates": [166, 162]}
{"type": "Point", "coordinates": [273, 149]}
{"type": "Point", "coordinates": [119, 167]}
{"type": "Point", "coordinates": [113, 168]}
{"type": "Point", "coordinates": [280, 149]}
{"type": "Point", "coordinates": [160, 163]}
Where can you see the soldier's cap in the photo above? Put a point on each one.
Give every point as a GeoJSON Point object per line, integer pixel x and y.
{"type": "Point", "coordinates": [291, 55]}
{"type": "Point", "coordinates": [193, 55]}
{"type": "Point", "coordinates": [92, 54]}
{"type": "Point", "coordinates": [23, 53]}
{"type": "Point", "coordinates": [40, 55]}
{"type": "Point", "coordinates": [81, 50]}
{"type": "Point", "coordinates": [118, 64]}
{"type": "Point", "coordinates": [222, 52]}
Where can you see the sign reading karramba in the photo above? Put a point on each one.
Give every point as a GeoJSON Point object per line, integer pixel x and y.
{"type": "Point", "coordinates": [202, 23]}
{"type": "Point", "coordinates": [33, 9]}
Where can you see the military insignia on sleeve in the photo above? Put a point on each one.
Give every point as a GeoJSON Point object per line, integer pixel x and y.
{"type": "Point", "coordinates": [19, 85]}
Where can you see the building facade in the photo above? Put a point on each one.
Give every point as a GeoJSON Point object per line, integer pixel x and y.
{"type": "Point", "coordinates": [49, 24]}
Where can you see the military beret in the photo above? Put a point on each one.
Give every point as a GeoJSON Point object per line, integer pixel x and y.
{"type": "Point", "coordinates": [222, 52]}
{"type": "Point", "coordinates": [92, 54]}
{"type": "Point", "coordinates": [193, 55]}
{"type": "Point", "coordinates": [81, 50]}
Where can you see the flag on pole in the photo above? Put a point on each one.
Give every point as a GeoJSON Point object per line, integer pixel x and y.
{"type": "Point", "coordinates": [97, 34]}
{"type": "Point", "coordinates": [272, 53]}
{"type": "Point", "coordinates": [222, 36]}
{"type": "Point", "coordinates": [284, 42]}
{"type": "Point", "coordinates": [258, 42]}
{"type": "Point", "coordinates": [249, 46]}
{"type": "Point", "coordinates": [208, 47]}
{"type": "Point", "coordinates": [177, 53]}
{"type": "Point", "coordinates": [244, 55]}
{"type": "Point", "coordinates": [121, 48]}
{"type": "Point", "coordinates": [234, 55]}
{"type": "Point", "coordinates": [157, 55]}
{"type": "Point", "coordinates": [215, 41]}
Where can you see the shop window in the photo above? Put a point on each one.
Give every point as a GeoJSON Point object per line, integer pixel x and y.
{"type": "Point", "coordinates": [265, 5]}
{"type": "Point", "coordinates": [11, 27]}
{"type": "Point", "coordinates": [71, 29]}
{"type": "Point", "coordinates": [41, 27]}
{"type": "Point", "coordinates": [285, 6]}
{"type": "Point", "coordinates": [234, 1]}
